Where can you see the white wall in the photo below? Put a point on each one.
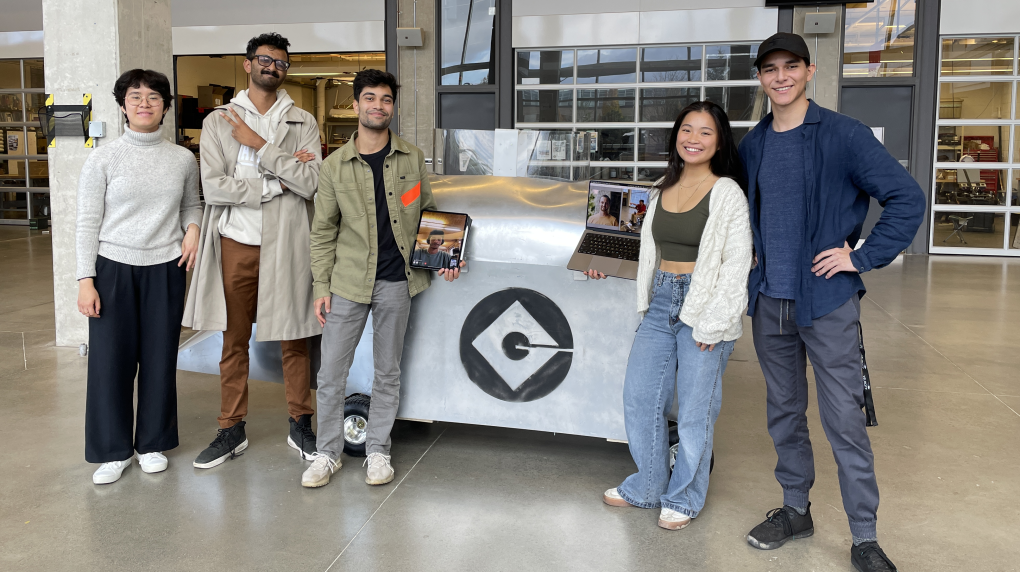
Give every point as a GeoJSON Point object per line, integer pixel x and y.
{"type": "Point", "coordinates": [983, 17]}
{"type": "Point", "coordinates": [20, 15]}
{"type": "Point", "coordinates": [547, 7]}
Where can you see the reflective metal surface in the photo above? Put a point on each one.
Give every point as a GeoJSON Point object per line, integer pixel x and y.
{"type": "Point", "coordinates": [355, 429]}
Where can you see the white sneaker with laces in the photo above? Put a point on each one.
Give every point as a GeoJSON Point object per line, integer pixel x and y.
{"type": "Point", "coordinates": [673, 520]}
{"type": "Point", "coordinates": [109, 472]}
{"type": "Point", "coordinates": [318, 474]}
{"type": "Point", "coordinates": [152, 462]}
{"type": "Point", "coordinates": [380, 471]}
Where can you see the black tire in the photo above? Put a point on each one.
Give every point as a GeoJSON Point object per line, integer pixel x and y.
{"type": "Point", "coordinates": [356, 404]}
{"type": "Point", "coordinates": [674, 438]}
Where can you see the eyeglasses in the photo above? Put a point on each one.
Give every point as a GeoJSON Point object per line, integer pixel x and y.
{"type": "Point", "coordinates": [264, 61]}
{"type": "Point", "coordinates": [154, 99]}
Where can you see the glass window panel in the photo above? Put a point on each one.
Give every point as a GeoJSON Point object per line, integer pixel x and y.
{"type": "Point", "coordinates": [968, 229]}
{"type": "Point", "coordinates": [605, 105]}
{"type": "Point", "coordinates": [739, 133]}
{"type": "Point", "coordinates": [879, 39]}
{"type": "Point", "coordinates": [11, 107]}
{"type": "Point", "coordinates": [13, 205]}
{"type": "Point", "coordinates": [549, 67]}
{"type": "Point", "coordinates": [970, 186]}
{"type": "Point", "coordinates": [650, 173]}
{"type": "Point", "coordinates": [673, 63]}
{"type": "Point", "coordinates": [1016, 145]}
{"type": "Point", "coordinates": [36, 101]}
{"type": "Point", "coordinates": [1017, 102]}
{"type": "Point", "coordinates": [10, 74]}
{"type": "Point", "coordinates": [1014, 242]}
{"type": "Point", "coordinates": [607, 66]}
{"type": "Point", "coordinates": [730, 62]}
{"type": "Point", "coordinates": [975, 100]}
{"type": "Point", "coordinates": [12, 171]}
{"type": "Point", "coordinates": [1014, 188]}
{"type": "Point", "coordinates": [653, 144]}
{"type": "Point", "coordinates": [612, 144]}
{"type": "Point", "coordinates": [980, 143]}
{"type": "Point", "coordinates": [977, 56]}
{"type": "Point", "coordinates": [744, 103]}
{"type": "Point", "coordinates": [612, 173]}
{"type": "Point", "coordinates": [545, 105]}
{"type": "Point", "coordinates": [665, 103]}
{"type": "Point", "coordinates": [34, 74]}
{"type": "Point", "coordinates": [467, 34]}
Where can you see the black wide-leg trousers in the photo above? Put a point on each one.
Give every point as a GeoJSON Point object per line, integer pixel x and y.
{"type": "Point", "coordinates": [137, 332]}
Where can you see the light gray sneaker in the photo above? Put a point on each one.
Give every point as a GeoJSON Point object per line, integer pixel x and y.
{"type": "Point", "coordinates": [318, 474]}
{"type": "Point", "coordinates": [380, 471]}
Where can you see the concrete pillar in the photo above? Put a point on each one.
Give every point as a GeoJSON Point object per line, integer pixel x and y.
{"type": "Point", "coordinates": [826, 54]}
{"type": "Point", "coordinates": [418, 75]}
{"type": "Point", "coordinates": [87, 45]}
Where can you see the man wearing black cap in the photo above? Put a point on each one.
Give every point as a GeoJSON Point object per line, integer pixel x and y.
{"type": "Point", "coordinates": [811, 173]}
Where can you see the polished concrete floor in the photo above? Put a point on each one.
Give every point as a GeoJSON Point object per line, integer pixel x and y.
{"type": "Point", "coordinates": [942, 346]}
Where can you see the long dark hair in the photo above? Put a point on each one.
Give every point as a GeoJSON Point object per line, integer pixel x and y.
{"type": "Point", "coordinates": [725, 162]}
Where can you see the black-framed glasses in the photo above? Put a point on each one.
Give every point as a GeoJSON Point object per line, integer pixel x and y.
{"type": "Point", "coordinates": [264, 61]}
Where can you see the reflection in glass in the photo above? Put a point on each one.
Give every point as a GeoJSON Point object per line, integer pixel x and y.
{"type": "Point", "coordinates": [970, 186]}
{"type": "Point", "coordinates": [653, 144]}
{"type": "Point", "coordinates": [36, 101]}
{"type": "Point", "coordinates": [739, 133]}
{"type": "Point", "coordinates": [650, 173]}
{"type": "Point", "coordinates": [730, 62]}
{"type": "Point", "coordinates": [665, 103]}
{"type": "Point", "coordinates": [545, 105]}
{"type": "Point", "coordinates": [977, 56]}
{"type": "Point", "coordinates": [612, 144]}
{"type": "Point", "coordinates": [611, 173]}
{"type": "Point", "coordinates": [1014, 222]}
{"type": "Point", "coordinates": [744, 103]}
{"type": "Point", "coordinates": [548, 67]}
{"type": "Point", "coordinates": [879, 39]}
{"type": "Point", "coordinates": [605, 105]}
{"type": "Point", "coordinates": [11, 107]}
{"type": "Point", "coordinates": [968, 229]}
{"type": "Point", "coordinates": [1014, 188]}
{"type": "Point", "coordinates": [607, 66]}
{"type": "Point", "coordinates": [674, 63]}
{"type": "Point", "coordinates": [978, 143]}
{"type": "Point", "coordinates": [1016, 145]}
{"type": "Point", "coordinates": [468, 35]}
{"type": "Point", "coordinates": [34, 77]}
{"type": "Point", "coordinates": [10, 74]}
{"type": "Point", "coordinates": [975, 100]}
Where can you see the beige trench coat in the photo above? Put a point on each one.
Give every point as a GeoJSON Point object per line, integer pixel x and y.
{"type": "Point", "coordinates": [285, 310]}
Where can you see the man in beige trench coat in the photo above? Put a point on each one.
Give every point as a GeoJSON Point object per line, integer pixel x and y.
{"type": "Point", "coordinates": [260, 168]}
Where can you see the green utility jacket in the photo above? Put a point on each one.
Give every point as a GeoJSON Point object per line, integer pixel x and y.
{"type": "Point", "coordinates": [344, 237]}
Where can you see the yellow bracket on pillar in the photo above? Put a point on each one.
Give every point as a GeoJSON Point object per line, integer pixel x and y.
{"type": "Point", "coordinates": [87, 100]}
{"type": "Point", "coordinates": [49, 102]}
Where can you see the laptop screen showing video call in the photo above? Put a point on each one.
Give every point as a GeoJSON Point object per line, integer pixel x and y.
{"type": "Point", "coordinates": [616, 207]}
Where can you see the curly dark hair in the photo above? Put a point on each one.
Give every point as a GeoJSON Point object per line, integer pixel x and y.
{"type": "Point", "coordinates": [271, 39]}
{"type": "Point", "coordinates": [372, 78]}
{"type": "Point", "coordinates": [151, 79]}
{"type": "Point", "coordinates": [725, 163]}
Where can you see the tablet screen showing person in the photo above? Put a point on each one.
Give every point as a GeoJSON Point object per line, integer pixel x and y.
{"type": "Point", "coordinates": [441, 240]}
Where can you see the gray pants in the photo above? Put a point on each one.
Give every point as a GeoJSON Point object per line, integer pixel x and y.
{"type": "Point", "coordinates": [832, 344]}
{"type": "Point", "coordinates": [345, 323]}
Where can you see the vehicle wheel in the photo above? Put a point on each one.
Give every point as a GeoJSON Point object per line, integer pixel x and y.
{"type": "Point", "coordinates": [674, 445]}
{"type": "Point", "coordinates": [355, 429]}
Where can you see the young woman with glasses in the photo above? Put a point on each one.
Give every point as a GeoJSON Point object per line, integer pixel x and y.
{"type": "Point", "coordinates": [137, 235]}
{"type": "Point", "coordinates": [692, 290]}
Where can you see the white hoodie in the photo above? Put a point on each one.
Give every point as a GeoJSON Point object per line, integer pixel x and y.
{"type": "Point", "coordinates": [241, 223]}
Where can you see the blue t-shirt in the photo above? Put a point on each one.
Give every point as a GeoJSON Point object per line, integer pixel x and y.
{"type": "Point", "coordinates": [782, 218]}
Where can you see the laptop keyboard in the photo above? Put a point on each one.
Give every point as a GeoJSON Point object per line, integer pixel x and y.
{"type": "Point", "coordinates": [610, 246]}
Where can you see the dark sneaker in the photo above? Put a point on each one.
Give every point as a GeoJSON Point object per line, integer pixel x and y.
{"type": "Point", "coordinates": [868, 557]}
{"type": "Point", "coordinates": [228, 444]}
{"type": "Point", "coordinates": [301, 436]}
{"type": "Point", "coordinates": [781, 525]}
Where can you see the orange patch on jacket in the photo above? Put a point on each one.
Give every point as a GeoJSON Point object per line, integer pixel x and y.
{"type": "Point", "coordinates": [410, 196]}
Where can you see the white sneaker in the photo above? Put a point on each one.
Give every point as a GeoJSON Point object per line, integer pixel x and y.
{"type": "Point", "coordinates": [152, 462]}
{"type": "Point", "coordinates": [109, 472]}
{"type": "Point", "coordinates": [673, 520]}
{"type": "Point", "coordinates": [318, 474]}
{"type": "Point", "coordinates": [380, 471]}
{"type": "Point", "coordinates": [612, 498]}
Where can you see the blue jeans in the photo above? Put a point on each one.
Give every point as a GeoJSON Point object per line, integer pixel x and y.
{"type": "Point", "coordinates": [662, 344]}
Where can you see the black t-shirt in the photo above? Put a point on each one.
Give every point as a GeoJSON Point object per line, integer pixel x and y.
{"type": "Point", "coordinates": [390, 264]}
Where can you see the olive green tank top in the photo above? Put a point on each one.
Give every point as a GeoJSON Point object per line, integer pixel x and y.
{"type": "Point", "coordinates": [678, 235]}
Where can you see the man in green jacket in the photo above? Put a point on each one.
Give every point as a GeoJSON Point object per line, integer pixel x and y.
{"type": "Point", "coordinates": [371, 194]}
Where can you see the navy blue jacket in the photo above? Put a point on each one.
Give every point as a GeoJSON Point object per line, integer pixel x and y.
{"type": "Point", "coordinates": [844, 165]}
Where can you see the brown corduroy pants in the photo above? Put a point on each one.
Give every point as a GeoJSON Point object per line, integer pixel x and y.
{"type": "Point", "coordinates": [241, 290]}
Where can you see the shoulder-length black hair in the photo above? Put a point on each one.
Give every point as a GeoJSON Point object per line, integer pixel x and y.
{"type": "Point", "coordinates": [725, 162]}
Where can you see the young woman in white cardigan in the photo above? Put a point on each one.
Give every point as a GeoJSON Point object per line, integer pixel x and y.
{"type": "Point", "coordinates": [692, 290]}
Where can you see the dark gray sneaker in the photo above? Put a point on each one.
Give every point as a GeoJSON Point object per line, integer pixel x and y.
{"type": "Point", "coordinates": [869, 557]}
{"type": "Point", "coordinates": [781, 525]}
{"type": "Point", "coordinates": [228, 444]}
{"type": "Point", "coordinates": [301, 436]}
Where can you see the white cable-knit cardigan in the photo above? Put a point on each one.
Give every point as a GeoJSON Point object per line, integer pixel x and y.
{"type": "Point", "coordinates": [717, 296]}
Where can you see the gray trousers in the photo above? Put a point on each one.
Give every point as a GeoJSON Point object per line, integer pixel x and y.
{"type": "Point", "coordinates": [832, 344]}
{"type": "Point", "coordinates": [391, 304]}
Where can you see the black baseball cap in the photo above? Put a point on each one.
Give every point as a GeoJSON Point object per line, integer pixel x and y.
{"type": "Point", "coordinates": [783, 41]}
